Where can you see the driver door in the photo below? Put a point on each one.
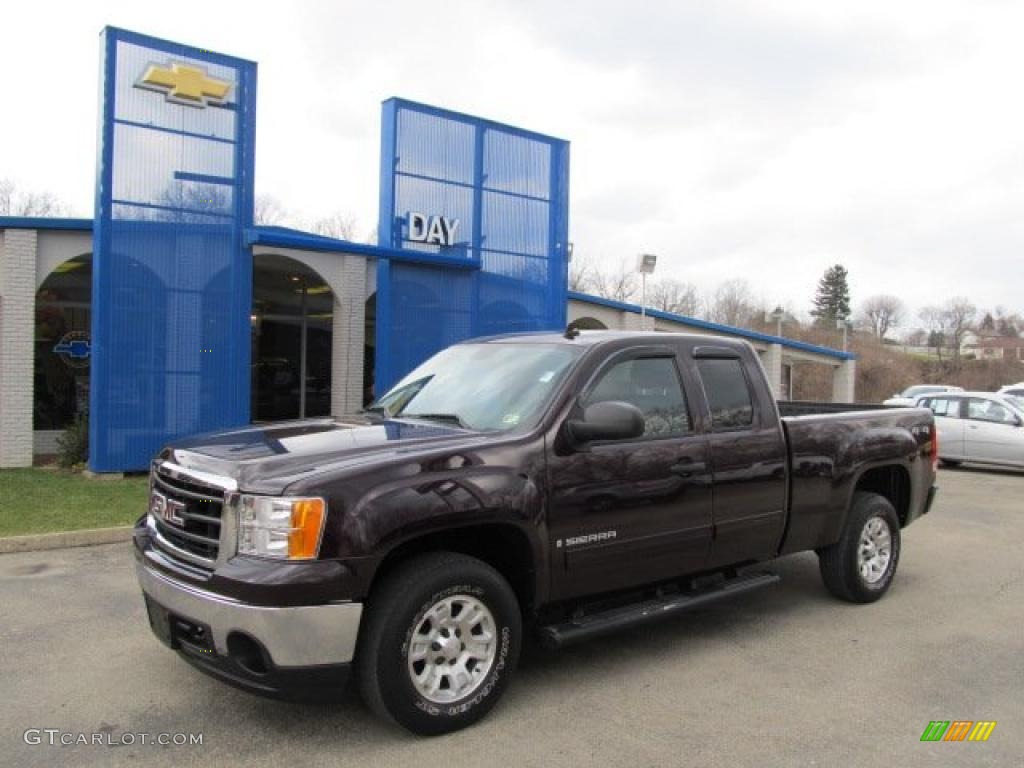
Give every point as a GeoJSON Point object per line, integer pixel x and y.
{"type": "Point", "coordinates": [636, 511]}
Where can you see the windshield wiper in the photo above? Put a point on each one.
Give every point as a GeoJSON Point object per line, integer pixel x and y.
{"type": "Point", "coordinates": [450, 418]}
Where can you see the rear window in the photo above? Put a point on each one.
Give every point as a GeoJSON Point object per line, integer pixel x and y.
{"type": "Point", "coordinates": [943, 406]}
{"type": "Point", "coordinates": [727, 392]}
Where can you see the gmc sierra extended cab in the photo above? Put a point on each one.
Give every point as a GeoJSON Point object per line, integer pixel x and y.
{"type": "Point", "coordinates": [571, 484]}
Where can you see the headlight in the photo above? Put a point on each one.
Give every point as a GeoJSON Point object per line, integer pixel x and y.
{"type": "Point", "coordinates": [285, 528]}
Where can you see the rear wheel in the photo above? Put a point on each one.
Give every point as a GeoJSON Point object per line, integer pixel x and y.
{"type": "Point", "coordinates": [861, 565]}
{"type": "Point", "coordinates": [441, 641]}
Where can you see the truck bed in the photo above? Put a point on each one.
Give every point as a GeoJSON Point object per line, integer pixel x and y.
{"type": "Point", "coordinates": [831, 445]}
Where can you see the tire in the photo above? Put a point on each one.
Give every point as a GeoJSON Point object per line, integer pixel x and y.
{"type": "Point", "coordinates": [424, 599]}
{"type": "Point", "coordinates": [841, 563]}
{"type": "Point", "coordinates": [950, 462]}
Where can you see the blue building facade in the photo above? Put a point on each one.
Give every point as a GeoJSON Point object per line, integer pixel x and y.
{"type": "Point", "coordinates": [506, 232]}
{"type": "Point", "coordinates": [172, 276]}
{"type": "Point", "coordinates": [473, 240]}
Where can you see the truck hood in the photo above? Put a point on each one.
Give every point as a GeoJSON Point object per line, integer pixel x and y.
{"type": "Point", "coordinates": [267, 459]}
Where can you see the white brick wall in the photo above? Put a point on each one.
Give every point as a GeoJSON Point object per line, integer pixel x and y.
{"type": "Point", "coordinates": [634, 322]}
{"type": "Point", "coordinates": [844, 377]}
{"type": "Point", "coordinates": [17, 334]}
{"type": "Point", "coordinates": [349, 335]}
{"type": "Point", "coordinates": [772, 362]}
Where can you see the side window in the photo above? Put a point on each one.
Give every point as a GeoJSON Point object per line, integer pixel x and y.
{"type": "Point", "coordinates": [942, 406]}
{"type": "Point", "coordinates": [728, 394]}
{"type": "Point", "coordinates": [989, 410]}
{"type": "Point", "coordinates": [652, 385]}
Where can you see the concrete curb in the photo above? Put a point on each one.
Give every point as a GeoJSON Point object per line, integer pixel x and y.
{"type": "Point", "coordinates": [87, 538]}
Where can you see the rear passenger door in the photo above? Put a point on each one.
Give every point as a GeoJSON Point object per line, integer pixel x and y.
{"type": "Point", "coordinates": [993, 432]}
{"type": "Point", "coordinates": [748, 458]}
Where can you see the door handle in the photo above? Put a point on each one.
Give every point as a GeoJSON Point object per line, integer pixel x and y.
{"type": "Point", "coordinates": [687, 468]}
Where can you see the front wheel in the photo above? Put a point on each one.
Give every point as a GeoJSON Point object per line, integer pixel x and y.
{"type": "Point", "coordinates": [861, 565]}
{"type": "Point", "coordinates": [441, 641]}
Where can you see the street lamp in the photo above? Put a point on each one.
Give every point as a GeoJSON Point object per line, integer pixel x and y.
{"type": "Point", "coordinates": [645, 263]}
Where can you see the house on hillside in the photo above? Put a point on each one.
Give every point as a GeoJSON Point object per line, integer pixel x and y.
{"type": "Point", "coordinates": [997, 348]}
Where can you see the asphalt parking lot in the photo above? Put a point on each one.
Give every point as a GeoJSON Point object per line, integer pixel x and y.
{"type": "Point", "coordinates": [787, 676]}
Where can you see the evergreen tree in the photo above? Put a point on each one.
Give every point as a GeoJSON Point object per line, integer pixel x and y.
{"type": "Point", "coordinates": [832, 301]}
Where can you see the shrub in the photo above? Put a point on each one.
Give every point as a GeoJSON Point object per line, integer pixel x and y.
{"type": "Point", "coordinates": [73, 445]}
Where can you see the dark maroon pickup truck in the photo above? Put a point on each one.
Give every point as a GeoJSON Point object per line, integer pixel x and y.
{"type": "Point", "coordinates": [570, 484]}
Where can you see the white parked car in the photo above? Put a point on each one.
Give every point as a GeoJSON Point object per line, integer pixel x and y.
{"type": "Point", "coordinates": [983, 427]}
{"type": "Point", "coordinates": [910, 395]}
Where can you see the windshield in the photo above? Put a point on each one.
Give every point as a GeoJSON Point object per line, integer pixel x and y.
{"type": "Point", "coordinates": [481, 386]}
{"type": "Point", "coordinates": [1016, 400]}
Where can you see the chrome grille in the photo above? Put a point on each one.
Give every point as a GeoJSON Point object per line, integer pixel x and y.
{"type": "Point", "coordinates": [187, 513]}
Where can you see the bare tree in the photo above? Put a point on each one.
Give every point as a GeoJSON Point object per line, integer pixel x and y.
{"type": "Point", "coordinates": [733, 303]}
{"type": "Point", "coordinates": [268, 211]}
{"type": "Point", "coordinates": [935, 320]}
{"type": "Point", "coordinates": [959, 312]}
{"type": "Point", "coordinates": [881, 313]}
{"type": "Point", "coordinates": [1008, 324]}
{"type": "Point", "coordinates": [671, 295]}
{"type": "Point", "coordinates": [15, 202]}
{"type": "Point", "coordinates": [581, 273]}
{"type": "Point", "coordinates": [619, 284]}
{"type": "Point", "coordinates": [338, 225]}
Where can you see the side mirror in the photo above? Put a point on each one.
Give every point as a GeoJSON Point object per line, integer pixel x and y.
{"type": "Point", "coordinates": [610, 420]}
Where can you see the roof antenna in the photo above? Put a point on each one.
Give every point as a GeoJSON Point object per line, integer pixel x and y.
{"type": "Point", "coordinates": [571, 331]}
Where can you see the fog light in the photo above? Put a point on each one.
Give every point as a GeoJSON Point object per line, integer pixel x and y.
{"type": "Point", "coordinates": [282, 528]}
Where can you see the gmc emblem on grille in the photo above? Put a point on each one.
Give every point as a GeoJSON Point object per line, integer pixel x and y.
{"type": "Point", "coordinates": [168, 510]}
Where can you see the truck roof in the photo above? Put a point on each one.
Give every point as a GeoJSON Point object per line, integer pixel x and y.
{"type": "Point", "coordinates": [593, 338]}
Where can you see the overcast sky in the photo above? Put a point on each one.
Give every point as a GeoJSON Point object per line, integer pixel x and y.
{"type": "Point", "coordinates": [734, 139]}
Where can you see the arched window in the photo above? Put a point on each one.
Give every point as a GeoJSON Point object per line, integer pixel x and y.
{"type": "Point", "coordinates": [63, 344]}
{"type": "Point", "coordinates": [292, 338]}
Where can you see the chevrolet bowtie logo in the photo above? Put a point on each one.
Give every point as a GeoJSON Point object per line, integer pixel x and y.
{"type": "Point", "coordinates": [185, 84]}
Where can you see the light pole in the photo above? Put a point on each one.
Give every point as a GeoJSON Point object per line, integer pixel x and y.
{"type": "Point", "coordinates": [645, 264]}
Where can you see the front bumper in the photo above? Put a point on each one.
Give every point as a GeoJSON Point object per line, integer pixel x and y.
{"type": "Point", "coordinates": [295, 652]}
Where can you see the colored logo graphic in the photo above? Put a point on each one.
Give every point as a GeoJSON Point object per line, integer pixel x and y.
{"type": "Point", "coordinates": [958, 730]}
{"type": "Point", "coordinates": [74, 349]}
{"type": "Point", "coordinates": [185, 84]}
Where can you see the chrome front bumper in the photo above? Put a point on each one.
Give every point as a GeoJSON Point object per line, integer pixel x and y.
{"type": "Point", "coordinates": [299, 636]}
